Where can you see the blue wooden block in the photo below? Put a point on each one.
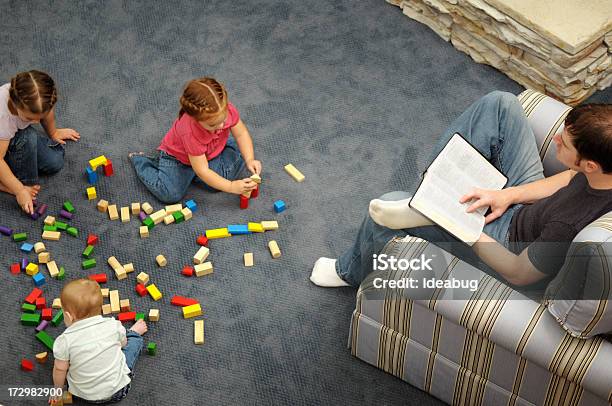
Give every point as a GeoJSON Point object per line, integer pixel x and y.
{"type": "Point", "coordinates": [191, 205]}
{"type": "Point", "coordinates": [39, 279]}
{"type": "Point", "coordinates": [26, 247]}
{"type": "Point", "coordinates": [92, 176]}
{"type": "Point", "coordinates": [237, 229]}
{"type": "Point", "coordinates": [279, 206]}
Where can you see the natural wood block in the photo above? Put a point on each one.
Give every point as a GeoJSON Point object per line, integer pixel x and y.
{"type": "Point", "coordinates": [274, 250]}
{"type": "Point", "coordinates": [39, 247]}
{"type": "Point", "coordinates": [113, 214]}
{"type": "Point", "coordinates": [114, 301]}
{"type": "Point", "coordinates": [187, 213]}
{"type": "Point", "coordinates": [169, 219]}
{"type": "Point", "coordinates": [154, 315]}
{"type": "Point", "coordinates": [161, 260]}
{"type": "Point", "coordinates": [57, 303]}
{"type": "Point", "coordinates": [106, 309]}
{"type": "Point", "coordinates": [51, 235]}
{"type": "Point", "coordinates": [135, 208]}
{"type": "Point", "coordinates": [125, 214]}
{"type": "Point", "coordinates": [105, 292]}
{"type": "Point", "coordinates": [129, 268]}
{"type": "Point", "coordinates": [53, 269]}
{"type": "Point", "coordinates": [102, 206]}
{"type": "Point", "coordinates": [143, 278]}
{"type": "Point", "coordinates": [44, 257]}
{"type": "Point", "coordinates": [294, 173]}
{"type": "Point", "coordinates": [124, 304]}
{"type": "Point", "coordinates": [248, 259]}
{"type": "Point", "coordinates": [198, 335]}
{"type": "Point", "coordinates": [201, 255]}
{"type": "Point", "coordinates": [269, 225]}
{"type": "Point", "coordinates": [144, 231]}
{"type": "Point", "coordinates": [147, 208]}
{"type": "Point", "coordinates": [49, 220]}
{"type": "Point", "coordinates": [173, 207]}
{"type": "Point", "coordinates": [203, 269]}
{"type": "Point", "coordinates": [158, 216]}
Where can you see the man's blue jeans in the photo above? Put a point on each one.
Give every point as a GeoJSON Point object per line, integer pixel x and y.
{"type": "Point", "coordinates": [497, 126]}
{"type": "Point", "coordinates": [168, 178]}
{"type": "Point", "coordinates": [31, 154]}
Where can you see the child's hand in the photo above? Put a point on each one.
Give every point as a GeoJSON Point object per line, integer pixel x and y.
{"type": "Point", "coordinates": [56, 401]}
{"type": "Point", "coordinates": [25, 199]}
{"type": "Point", "coordinates": [254, 166]}
{"type": "Point", "coordinates": [62, 134]}
{"type": "Point", "coordinates": [242, 186]}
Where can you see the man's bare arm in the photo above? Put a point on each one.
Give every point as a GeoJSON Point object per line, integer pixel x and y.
{"type": "Point", "coordinates": [531, 192]}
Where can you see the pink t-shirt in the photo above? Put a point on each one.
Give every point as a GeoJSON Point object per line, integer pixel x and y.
{"type": "Point", "coordinates": [187, 137]}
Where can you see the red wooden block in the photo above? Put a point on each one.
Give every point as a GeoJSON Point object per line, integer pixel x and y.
{"type": "Point", "coordinates": [47, 314]}
{"type": "Point", "coordinates": [41, 303]}
{"type": "Point", "coordinates": [15, 269]}
{"type": "Point", "coordinates": [255, 192]}
{"type": "Point", "coordinates": [182, 301]}
{"type": "Point", "coordinates": [108, 168]}
{"type": "Point", "coordinates": [141, 289]}
{"type": "Point", "coordinates": [127, 316]}
{"type": "Point", "coordinates": [202, 240]}
{"type": "Point", "coordinates": [27, 365]}
{"type": "Point", "coordinates": [34, 294]}
{"type": "Point", "coordinates": [92, 239]}
{"type": "Point", "coordinates": [98, 277]}
{"type": "Point", "coordinates": [187, 271]}
{"type": "Point", "coordinates": [244, 202]}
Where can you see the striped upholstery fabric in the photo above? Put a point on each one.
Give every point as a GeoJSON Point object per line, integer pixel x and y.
{"type": "Point", "coordinates": [495, 346]}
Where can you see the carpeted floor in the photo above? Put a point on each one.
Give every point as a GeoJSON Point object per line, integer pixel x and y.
{"type": "Point", "coordinates": [353, 93]}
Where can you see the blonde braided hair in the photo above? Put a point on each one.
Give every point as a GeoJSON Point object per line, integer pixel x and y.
{"type": "Point", "coordinates": [203, 98]}
{"type": "Point", "coordinates": [33, 91]}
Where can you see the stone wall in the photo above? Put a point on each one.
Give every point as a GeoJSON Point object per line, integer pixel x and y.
{"type": "Point", "coordinates": [523, 51]}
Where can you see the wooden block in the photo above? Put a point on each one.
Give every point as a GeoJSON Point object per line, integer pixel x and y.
{"type": "Point", "coordinates": [41, 357]}
{"type": "Point", "coordinates": [44, 257]}
{"type": "Point", "coordinates": [201, 255]}
{"type": "Point", "coordinates": [105, 292]}
{"type": "Point", "coordinates": [274, 250]}
{"type": "Point", "coordinates": [120, 273]}
{"type": "Point", "coordinates": [147, 208]}
{"type": "Point", "coordinates": [129, 268]}
{"type": "Point", "coordinates": [187, 213]}
{"type": "Point", "coordinates": [269, 225]}
{"type": "Point", "coordinates": [67, 398]}
{"type": "Point", "coordinates": [135, 208]}
{"type": "Point", "coordinates": [31, 269]}
{"type": "Point", "coordinates": [256, 178]}
{"type": "Point", "coordinates": [53, 269]}
{"type": "Point", "coordinates": [114, 263]}
{"type": "Point", "coordinates": [113, 214]}
{"type": "Point", "coordinates": [97, 161]}
{"type": "Point", "coordinates": [154, 315]}
{"type": "Point", "coordinates": [57, 303]}
{"type": "Point", "coordinates": [158, 216]}
{"type": "Point", "coordinates": [294, 173]}
{"type": "Point", "coordinates": [217, 233]}
{"type": "Point", "coordinates": [106, 309]}
{"type": "Point", "coordinates": [198, 333]}
{"type": "Point", "coordinates": [124, 305]}
{"type": "Point", "coordinates": [91, 193]}
{"type": "Point", "coordinates": [102, 206]}
{"type": "Point", "coordinates": [203, 269]}
{"type": "Point", "coordinates": [161, 260]}
{"type": "Point", "coordinates": [114, 301]}
{"type": "Point", "coordinates": [248, 259]}
{"type": "Point", "coordinates": [51, 235]}
{"type": "Point", "coordinates": [143, 278]}
{"type": "Point", "coordinates": [144, 231]}
{"type": "Point", "coordinates": [247, 194]}
{"type": "Point", "coordinates": [192, 311]}
{"type": "Point", "coordinates": [154, 292]}
{"type": "Point", "coordinates": [125, 214]}
{"type": "Point", "coordinates": [49, 220]}
{"type": "Point", "coordinates": [174, 207]}
{"type": "Point", "coordinates": [169, 219]}
{"type": "Point", "coordinates": [255, 227]}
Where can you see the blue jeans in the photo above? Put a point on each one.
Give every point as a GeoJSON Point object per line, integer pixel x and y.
{"type": "Point", "coordinates": [31, 154]}
{"type": "Point", "coordinates": [496, 125]}
{"type": "Point", "coordinates": [168, 179]}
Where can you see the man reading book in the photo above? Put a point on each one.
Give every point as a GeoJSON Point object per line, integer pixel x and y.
{"type": "Point", "coordinates": [530, 223]}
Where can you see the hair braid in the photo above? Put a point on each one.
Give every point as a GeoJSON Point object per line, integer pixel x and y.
{"type": "Point", "coordinates": [203, 98]}
{"type": "Point", "coordinates": [33, 91]}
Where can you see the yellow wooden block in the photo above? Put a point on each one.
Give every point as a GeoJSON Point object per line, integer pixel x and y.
{"type": "Point", "coordinates": [98, 161]}
{"type": "Point", "coordinates": [169, 219]}
{"type": "Point", "coordinates": [248, 259]}
{"type": "Point", "coordinates": [113, 214]}
{"type": "Point", "coordinates": [161, 260]}
{"type": "Point", "coordinates": [57, 303]}
{"type": "Point", "coordinates": [39, 247]}
{"type": "Point", "coordinates": [154, 292]}
{"type": "Point", "coordinates": [198, 333]}
{"type": "Point", "coordinates": [192, 311]}
{"type": "Point", "coordinates": [201, 255]}
{"type": "Point", "coordinates": [274, 250]}
{"type": "Point", "coordinates": [106, 309]}
{"type": "Point", "coordinates": [44, 257]}
{"type": "Point", "coordinates": [144, 231]}
{"type": "Point", "coordinates": [114, 301]}
{"type": "Point", "coordinates": [135, 208]}
{"type": "Point", "coordinates": [105, 292]}
{"type": "Point", "coordinates": [102, 206]}
{"type": "Point", "coordinates": [158, 216]}
{"type": "Point", "coordinates": [154, 315]}
{"type": "Point", "coordinates": [143, 278]}
{"type": "Point", "coordinates": [147, 208]}
{"type": "Point", "coordinates": [217, 233]}
{"type": "Point", "coordinates": [256, 228]}
{"type": "Point", "coordinates": [125, 214]}
{"type": "Point", "coordinates": [52, 268]}
{"type": "Point", "coordinates": [49, 220]}
{"type": "Point", "coordinates": [203, 269]}
{"type": "Point", "coordinates": [31, 269]}
{"type": "Point", "coordinates": [173, 207]}
{"type": "Point", "coordinates": [295, 174]}
{"type": "Point", "coordinates": [51, 235]}
{"type": "Point", "coordinates": [269, 225]}
{"type": "Point", "coordinates": [91, 193]}
{"type": "Point", "coordinates": [187, 213]}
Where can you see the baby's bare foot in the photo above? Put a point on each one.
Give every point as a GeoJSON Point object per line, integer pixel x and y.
{"type": "Point", "coordinates": [140, 327]}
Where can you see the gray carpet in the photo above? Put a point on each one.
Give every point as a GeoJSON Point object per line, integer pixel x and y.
{"type": "Point", "coordinates": [353, 93]}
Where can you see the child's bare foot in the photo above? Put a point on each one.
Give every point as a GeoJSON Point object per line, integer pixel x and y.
{"type": "Point", "coordinates": [131, 154]}
{"type": "Point", "coordinates": [140, 327]}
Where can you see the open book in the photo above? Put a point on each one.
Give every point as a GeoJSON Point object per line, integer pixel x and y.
{"type": "Point", "coordinates": [456, 171]}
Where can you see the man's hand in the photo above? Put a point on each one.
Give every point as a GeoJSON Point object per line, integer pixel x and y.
{"type": "Point", "coordinates": [25, 200]}
{"type": "Point", "coordinates": [254, 166]}
{"type": "Point", "coordinates": [241, 186]}
{"type": "Point", "coordinates": [499, 200]}
{"type": "Point", "coordinates": [62, 134]}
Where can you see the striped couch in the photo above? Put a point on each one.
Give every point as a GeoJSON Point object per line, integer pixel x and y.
{"type": "Point", "coordinates": [495, 346]}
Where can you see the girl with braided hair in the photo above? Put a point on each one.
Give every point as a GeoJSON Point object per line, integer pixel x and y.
{"type": "Point", "coordinates": [25, 153]}
{"type": "Point", "coordinates": [198, 147]}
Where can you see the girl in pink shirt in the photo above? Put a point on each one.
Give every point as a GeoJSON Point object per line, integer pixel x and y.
{"type": "Point", "coordinates": [198, 146]}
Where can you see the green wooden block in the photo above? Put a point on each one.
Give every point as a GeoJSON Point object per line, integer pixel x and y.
{"type": "Point", "coordinates": [58, 318]}
{"type": "Point", "coordinates": [61, 225]}
{"type": "Point", "coordinates": [18, 237]}
{"type": "Point", "coordinates": [88, 251]}
{"type": "Point", "coordinates": [73, 231]}
{"type": "Point", "coordinates": [149, 223]}
{"type": "Point", "coordinates": [152, 348]}
{"type": "Point", "coordinates": [49, 228]}
{"type": "Point", "coordinates": [46, 339]}
{"type": "Point", "coordinates": [61, 274]}
{"type": "Point", "coordinates": [140, 316]}
{"type": "Point", "coordinates": [30, 319]}
{"type": "Point", "coordinates": [29, 308]}
{"type": "Point", "coordinates": [178, 217]}
{"type": "Point", "coordinates": [89, 263]}
{"type": "Point", "coordinates": [68, 206]}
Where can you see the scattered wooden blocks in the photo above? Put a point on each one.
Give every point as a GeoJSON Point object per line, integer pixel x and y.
{"type": "Point", "coordinates": [158, 216]}
{"type": "Point", "coordinates": [46, 339]}
{"type": "Point", "coordinates": [15, 268]}
{"type": "Point", "coordinates": [192, 311]}
{"type": "Point", "coordinates": [47, 314]}
{"type": "Point", "coordinates": [198, 334]}
{"type": "Point", "coordinates": [104, 292]}
{"type": "Point", "coordinates": [125, 214]}
{"type": "Point", "coordinates": [154, 292]}
{"type": "Point", "coordinates": [73, 231]}
{"type": "Point", "coordinates": [178, 217]}
{"type": "Point", "coordinates": [202, 240]}
{"type": "Point", "coordinates": [269, 225]}
{"type": "Point", "coordinates": [98, 161]}
{"type": "Point", "coordinates": [49, 220]}
{"type": "Point", "coordinates": [88, 251]}
{"type": "Point", "coordinates": [68, 206]}
{"type": "Point", "coordinates": [256, 178]}
{"type": "Point", "coordinates": [244, 202]}
{"type": "Point", "coordinates": [161, 260]}
{"type": "Point", "coordinates": [43, 325]}
{"type": "Point", "coordinates": [34, 294]}
{"type": "Point", "coordinates": [274, 250]}
{"type": "Point", "coordinates": [31, 269]}
{"type": "Point", "coordinates": [135, 208]}
{"type": "Point", "coordinates": [201, 255]}
{"type": "Point", "coordinates": [41, 357]}
{"type": "Point", "coordinates": [108, 168]}
{"type": "Point", "coordinates": [142, 278]}
{"type": "Point", "coordinates": [62, 274]}
{"type": "Point", "coordinates": [114, 301]}
{"type": "Point", "coordinates": [294, 173]}
{"type": "Point", "coordinates": [112, 261]}
{"type": "Point", "coordinates": [57, 303]}
{"type": "Point", "coordinates": [173, 207]}
{"type": "Point", "coordinates": [141, 289]}
{"type": "Point", "coordinates": [191, 205]}
{"type": "Point", "coordinates": [248, 259]}
{"type": "Point", "coordinates": [100, 278]}
{"type": "Point", "coordinates": [60, 225]}
{"type": "Point", "coordinates": [188, 270]}
{"type": "Point", "coordinates": [203, 269]}
{"type": "Point", "coordinates": [53, 269]}
{"type": "Point", "coordinates": [129, 268]}
{"type": "Point", "coordinates": [106, 309]}
{"type": "Point", "coordinates": [124, 304]}
{"type": "Point", "coordinates": [182, 301]}
{"type": "Point", "coordinates": [151, 348]}
{"type": "Point", "coordinates": [126, 316]}
{"type": "Point", "coordinates": [39, 247]}
{"type": "Point", "coordinates": [169, 219]}
{"type": "Point", "coordinates": [187, 213]}
{"type": "Point", "coordinates": [91, 193]}
{"type": "Point", "coordinates": [92, 239]}
{"type": "Point", "coordinates": [102, 206]}
{"type": "Point", "coordinates": [113, 214]}
{"type": "Point", "coordinates": [39, 279]}
{"type": "Point", "coordinates": [154, 315]}
{"type": "Point", "coordinates": [147, 208]}
{"type": "Point", "coordinates": [92, 176]}
{"type": "Point", "coordinates": [120, 273]}
{"type": "Point", "coordinates": [30, 319]}
{"type": "Point", "coordinates": [217, 233]}
{"type": "Point", "coordinates": [255, 227]}
{"type": "Point", "coordinates": [144, 231]}
{"type": "Point", "coordinates": [26, 247]}
{"type": "Point", "coordinates": [89, 263]}
{"type": "Point", "coordinates": [279, 206]}
{"type": "Point", "coordinates": [41, 303]}
{"type": "Point", "coordinates": [51, 235]}
{"type": "Point", "coordinates": [148, 223]}
{"type": "Point", "coordinates": [27, 365]}
{"type": "Point", "coordinates": [28, 307]}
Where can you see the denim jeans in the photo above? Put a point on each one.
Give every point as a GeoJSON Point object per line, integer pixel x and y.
{"type": "Point", "coordinates": [496, 125]}
{"type": "Point", "coordinates": [31, 154]}
{"type": "Point", "coordinates": [168, 179]}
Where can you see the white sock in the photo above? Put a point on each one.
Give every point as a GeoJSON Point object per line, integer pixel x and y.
{"type": "Point", "coordinates": [396, 214]}
{"type": "Point", "coordinates": [324, 274]}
